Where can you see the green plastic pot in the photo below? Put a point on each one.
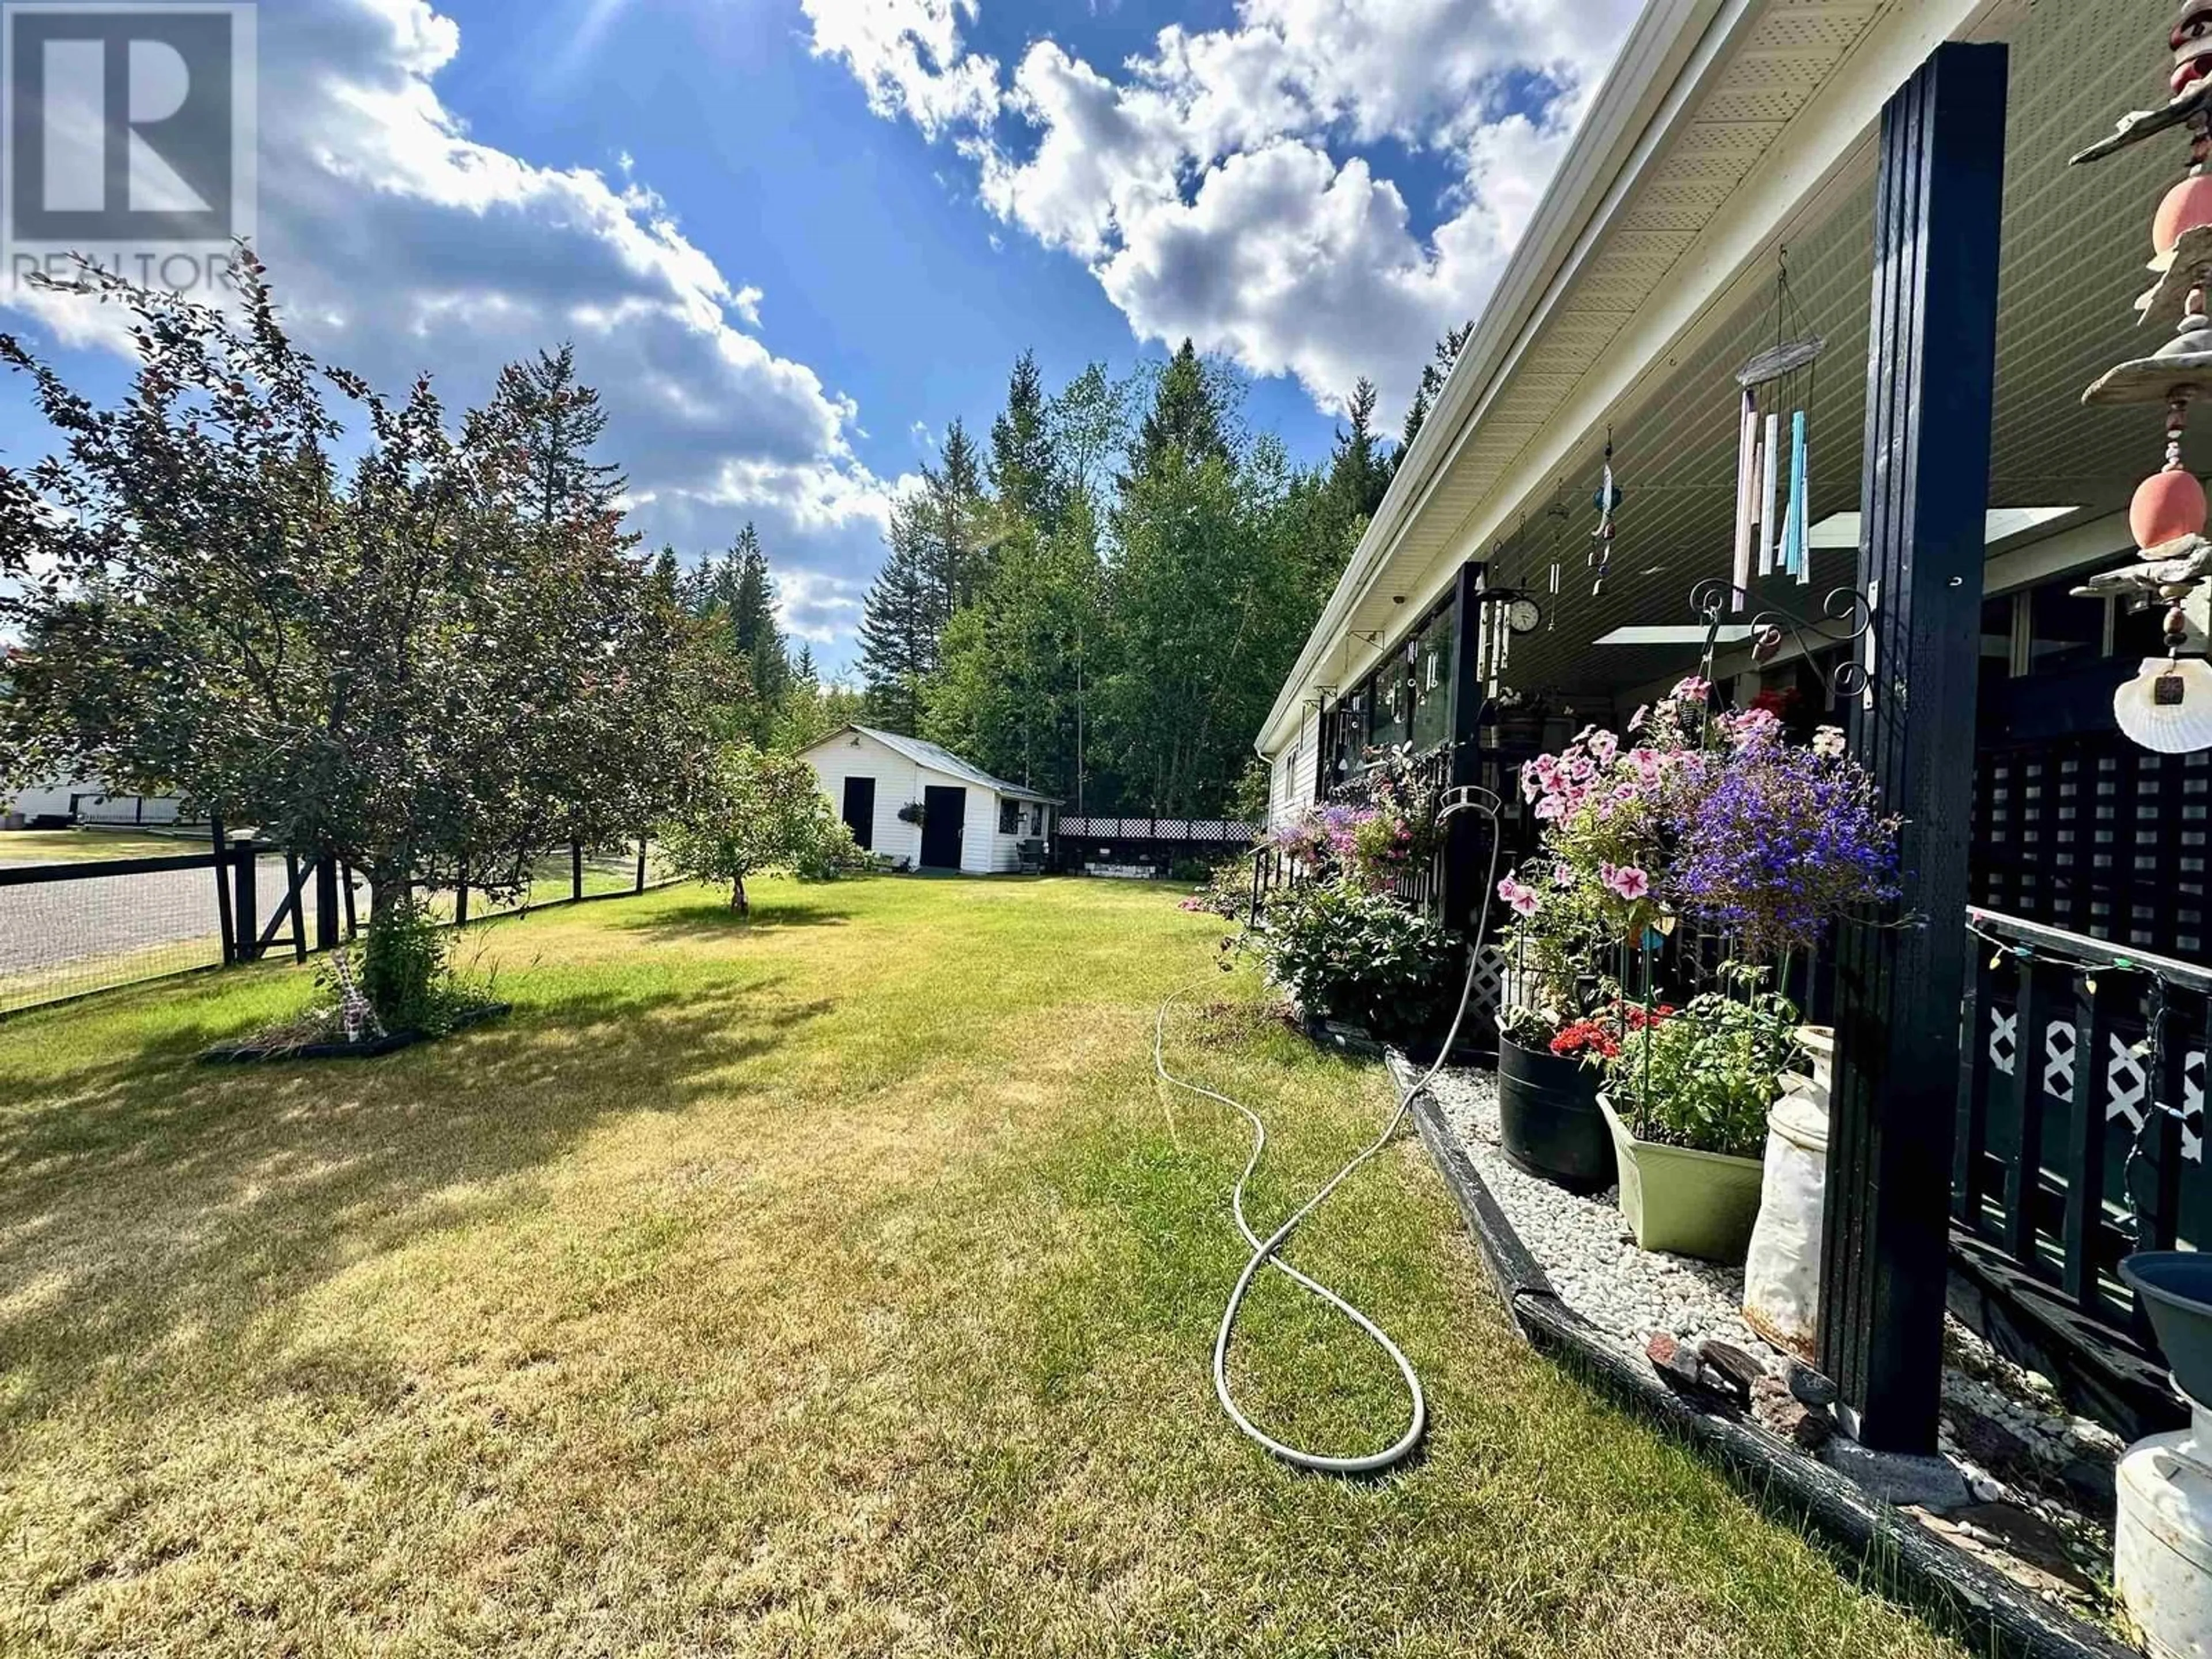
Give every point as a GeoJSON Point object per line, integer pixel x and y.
{"type": "Point", "coordinates": [1684, 1202]}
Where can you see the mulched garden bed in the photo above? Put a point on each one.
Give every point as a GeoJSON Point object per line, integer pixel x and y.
{"type": "Point", "coordinates": [278, 1046]}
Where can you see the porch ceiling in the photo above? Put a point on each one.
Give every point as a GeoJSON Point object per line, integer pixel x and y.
{"type": "Point", "coordinates": [1776, 116]}
{"type": "Point", "coordinates": [2076, 241]}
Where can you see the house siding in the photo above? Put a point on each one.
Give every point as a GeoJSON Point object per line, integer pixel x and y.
{"type": "Point", "coordinates": [1290, 783]}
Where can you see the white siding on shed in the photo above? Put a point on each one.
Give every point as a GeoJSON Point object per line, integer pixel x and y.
{"type": "Point", "coordinates": [900, 781]}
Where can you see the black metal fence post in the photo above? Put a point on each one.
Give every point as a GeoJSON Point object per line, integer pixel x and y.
{"type": "Point", "coordinates": [1931, 380]}
{"type": "Point", "coordinates": [640, 863]}
{"type": "Point", "coordinates": [575, 870]}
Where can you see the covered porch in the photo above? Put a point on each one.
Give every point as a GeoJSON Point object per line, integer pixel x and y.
{"type": "Point", "coordinates": [2020, 1082]}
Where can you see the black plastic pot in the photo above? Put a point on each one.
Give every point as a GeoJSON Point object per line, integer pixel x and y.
{"type": "Point", "coordinates": [1550, 1125]}
{"type": "Point", "coordinates": [2176, 1288]}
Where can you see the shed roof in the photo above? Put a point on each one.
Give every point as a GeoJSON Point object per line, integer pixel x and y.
{"type": "Point", "coordinates": [939, 759]}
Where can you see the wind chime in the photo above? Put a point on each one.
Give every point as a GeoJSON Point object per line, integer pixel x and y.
{"type": "Point", "coordinates": [2167, 708]}
{"type": "Point", "coordinates": [1774, 506]}
{"type": "Point", "coordinates": [1607, 502]}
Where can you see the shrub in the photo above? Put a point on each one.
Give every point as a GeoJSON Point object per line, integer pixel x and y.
{"type": "Point", "coordinates": [1228, 890]}
{"type": "Point", "coordinates": [1191, 872]}
{"type": "Point", "coordinates": [831, 856]}
{"type": "Point", "coordinates": [405, 971]}
{"type": "Point", "coordinates": [1704, 1077]}
{"type": "Point", "coordinates": [1349, 953]}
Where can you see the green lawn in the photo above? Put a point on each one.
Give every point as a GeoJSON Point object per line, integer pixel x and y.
{"type": "Point", "coordinates": [81, 846]}
{"type": "Point", "coordinates": [837, 1284]}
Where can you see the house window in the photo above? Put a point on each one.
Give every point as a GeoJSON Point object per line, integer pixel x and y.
{"type": "Point", "coordinates": [1010, 818]}
{"type": "Point", "coordinates": [1037, 820]}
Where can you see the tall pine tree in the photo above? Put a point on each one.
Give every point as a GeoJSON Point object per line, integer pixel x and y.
{"type": "Point", "coordinates": [1434, 373]}
{"type": "Point", "coordinates": [1023, 470]}
{"type": "Point", "coordinates": [563, 422]}
{"type": "Point", "coordinates": [1187, 413]}
{"type": "Point", "coordinates": [899, 625]}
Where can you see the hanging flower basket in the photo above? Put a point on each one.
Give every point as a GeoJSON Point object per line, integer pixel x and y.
{"type": "Point", "coordinates": [913, 812]}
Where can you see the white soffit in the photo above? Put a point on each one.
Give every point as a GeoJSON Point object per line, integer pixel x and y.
{"type": "Point", "coordinates": [1841, 530]}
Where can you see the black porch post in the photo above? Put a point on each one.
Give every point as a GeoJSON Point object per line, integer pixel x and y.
{"type": "Point", "coordinates": [1930, 366]}
{"type": "Point", "coordinates": [1466, 843]}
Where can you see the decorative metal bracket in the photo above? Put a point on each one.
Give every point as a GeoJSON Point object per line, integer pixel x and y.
{"type": "Point", "coordinates": [1847, 618]}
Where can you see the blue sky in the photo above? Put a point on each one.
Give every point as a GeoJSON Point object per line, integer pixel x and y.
{"type": "Point", "coordinates": [792, 239]}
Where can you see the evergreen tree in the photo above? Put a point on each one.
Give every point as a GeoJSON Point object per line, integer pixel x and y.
{"type": "Point", "coordinates": [1359, 471]}
{"type": "Point", "coordinates": [803, 672]}
{"type": "Point", "coordinates": [562, 422]}
{"type": "Point", "coordinates": [1021, 470]}
{"type": "Point", "coordinates": [1187, 413]}
{"type": "Point", "coordinates": [1434, 373]}
{"type": "Point", "coordinates": [899, 629]}
{"type": "Point", "coordinates": [955, 542]}
{"type": "Point", "coordinates": [754, 633]}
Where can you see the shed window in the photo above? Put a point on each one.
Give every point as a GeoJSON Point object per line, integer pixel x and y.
{"type": "Point", "coordinates": [1037, 820]}
{"type": "Point", "coordinates": [1010, 818]}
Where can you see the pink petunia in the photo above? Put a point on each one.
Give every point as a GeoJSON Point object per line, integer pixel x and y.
{"type": "Point", "coordinates": [1604, 746]}
{"type": "Point", "coordinates": [1524, 900]}
{"type": "Point", "coordinates": [1628, 881]}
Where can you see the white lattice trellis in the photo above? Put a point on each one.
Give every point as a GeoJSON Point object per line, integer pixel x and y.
{"type": "Point", "coordinates": [2059, 1044]}
{"type": "Point", "coordinates": [2192, 1100]}
{"type": "Point", "coordinates": [2004, 1039]}
{"type": "Point", "coordinates": [2127, 1086]}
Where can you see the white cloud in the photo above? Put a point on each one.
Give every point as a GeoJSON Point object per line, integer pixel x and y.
{"type": "Point", "coordinates": [1213, 186]}
{"type": "Point", "coordinates": [907, 54]}
{"type": "Point", "coordinates": [400, 244]}
{"type": "Point", "coordinates": [818, 608]}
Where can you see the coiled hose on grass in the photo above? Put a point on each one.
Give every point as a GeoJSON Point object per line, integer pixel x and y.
{"type": "Point", "coordinates": [1267, 1251]}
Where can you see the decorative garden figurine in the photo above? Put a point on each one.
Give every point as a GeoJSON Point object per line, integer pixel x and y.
{"type": "Point", "coordinates": [2167, 708]}
{"type": "Point", "coordinates": [2162, 1556]}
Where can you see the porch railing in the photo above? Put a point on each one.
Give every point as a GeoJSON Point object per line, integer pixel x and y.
{"type": "Point", "coordinates": [2081, 1118]}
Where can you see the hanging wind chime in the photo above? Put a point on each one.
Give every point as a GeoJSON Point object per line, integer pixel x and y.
{"type": "Point", "coordinates": [1607, 502]}
{"type": "Point", "coordinates": [1774, 506]}
{"type": "Point", "coordinates": [2167, 708]}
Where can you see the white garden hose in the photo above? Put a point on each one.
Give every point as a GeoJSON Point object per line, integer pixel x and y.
{"type": "Point", "coordinates": [1267, 1250]}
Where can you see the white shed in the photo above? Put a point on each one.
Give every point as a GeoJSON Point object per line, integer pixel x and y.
{"type": "Point", "coordinates": [879, 782]}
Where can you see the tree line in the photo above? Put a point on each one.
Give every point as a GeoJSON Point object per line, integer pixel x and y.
{"type": "Point", "coordinates": [1101, 599]}
{"type": "Point", "coordinates": [429, 645]}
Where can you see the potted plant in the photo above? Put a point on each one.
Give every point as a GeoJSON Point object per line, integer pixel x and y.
{"type": "Point", "coordinates": [1520, 720]}
{"type": "Point", "coordinates": [913, 812]}
{"type": "Point", "coordinates": [1686, 1101]}
{"type": "Point", "coordinates": [1353, 956]}
{"type": "Point", "coordinates": [1548, 1053]}
{"type": "Point", "coordinates": [2176, 1288]}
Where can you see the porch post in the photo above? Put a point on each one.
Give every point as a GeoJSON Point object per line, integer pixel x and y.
{"type": "Point", "coordinates": [1931, 364]}
{"type": "Point", "coordinates": [1465, 848]}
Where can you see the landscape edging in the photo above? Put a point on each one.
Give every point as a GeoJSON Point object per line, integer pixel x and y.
{"type": "Point", "coordinates": [1975, 1594]}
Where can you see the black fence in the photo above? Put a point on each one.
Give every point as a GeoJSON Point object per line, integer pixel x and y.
{"type": "Point", "coordinates": [2081, 1139]}
{"type": "Point", "coordinates": [1147, 847]}
{"type": "Point", "coordinates": [73, 928]}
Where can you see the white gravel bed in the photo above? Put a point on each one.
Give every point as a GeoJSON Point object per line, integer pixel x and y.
{"type": "Point", "coordinates": [2005, 1430]}
{"type": "Point", "coordinates": [1586, 1247]}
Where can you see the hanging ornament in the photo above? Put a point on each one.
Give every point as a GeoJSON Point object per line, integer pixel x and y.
{"type": "Point", "coordinates": [1560, 515]}
{"type": "Point", "coordinates": [1769, 516]}
{"type": "Point", "coordinates": [2167, 706]}
{"type": "Point", "coordinates": [1607, 502]}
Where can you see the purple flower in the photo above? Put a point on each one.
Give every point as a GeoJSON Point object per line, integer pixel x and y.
{"type": "Point", "coordinates": [1524, 900]}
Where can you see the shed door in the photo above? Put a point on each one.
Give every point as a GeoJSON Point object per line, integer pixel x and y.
{"type": "Point", "coordinates": [860, 811]}
{"type": "Point", "coordinates": [945, 812]}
